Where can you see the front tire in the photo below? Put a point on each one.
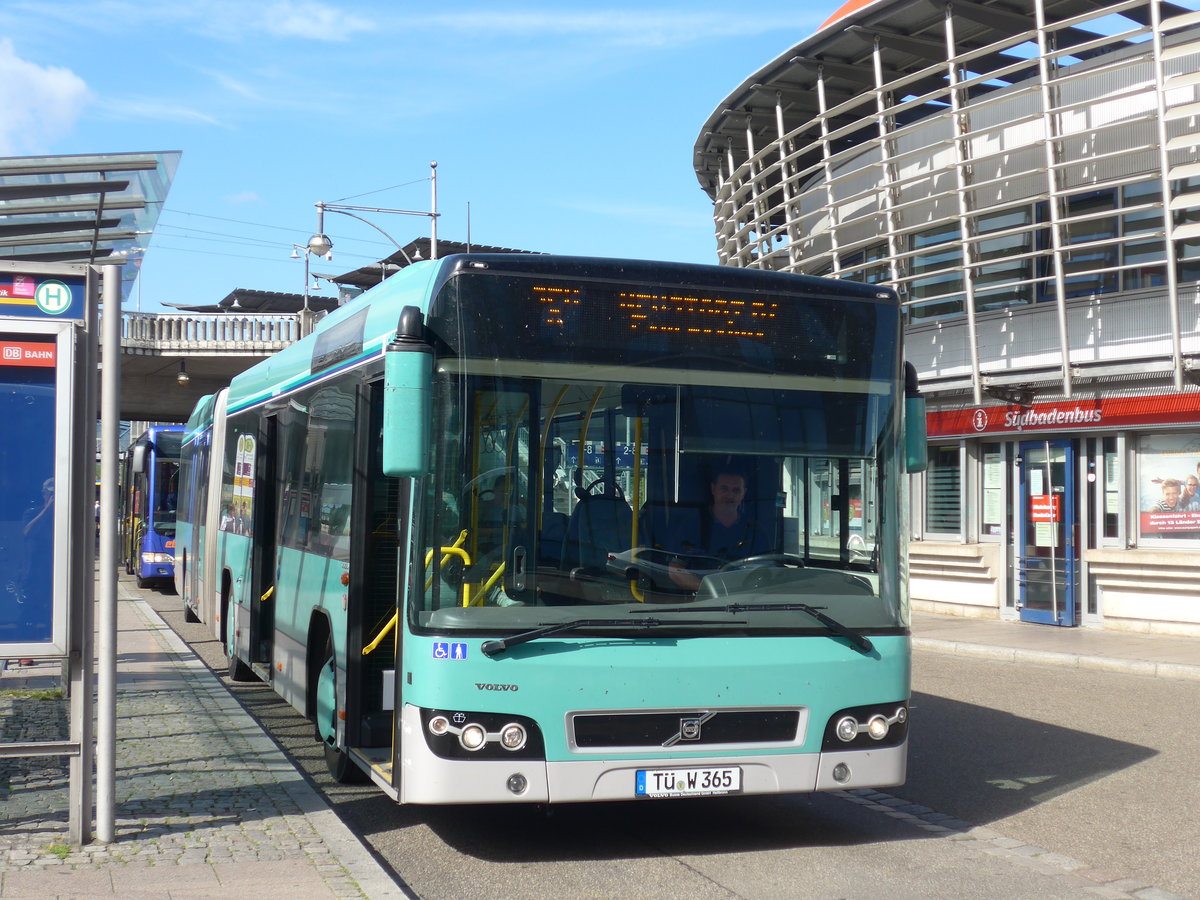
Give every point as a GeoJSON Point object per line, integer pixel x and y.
{"type": "Point", "coordinates": [237, 670]}
{"type": "Point", "coordinates": [341, 768]}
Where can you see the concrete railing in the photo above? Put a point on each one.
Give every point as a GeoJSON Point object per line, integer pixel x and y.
{"type": "Point", "coordinates": [207, 333]}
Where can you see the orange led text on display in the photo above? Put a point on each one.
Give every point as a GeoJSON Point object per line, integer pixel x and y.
{"type": "Point", "coordinates": [671, 313]}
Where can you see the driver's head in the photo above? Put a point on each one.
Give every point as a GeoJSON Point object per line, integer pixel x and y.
{"type": "Point", "coordinates": [728, 489]}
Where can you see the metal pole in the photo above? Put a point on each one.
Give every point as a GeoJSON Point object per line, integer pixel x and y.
{"type": "Point", "coordinates": [106, 632]}
{"type": "Point", "coordinates": [83, 584]}
{"type": "Point", "coordinates": [307, 256]}
{"type": "Point", "coordinates": [1054, 538]}
{"type": "Point", "coordinates": [433, 213]}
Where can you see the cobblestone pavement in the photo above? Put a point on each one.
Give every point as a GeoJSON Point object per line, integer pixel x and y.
{"type": "Point", "coordinates": [206, 803]}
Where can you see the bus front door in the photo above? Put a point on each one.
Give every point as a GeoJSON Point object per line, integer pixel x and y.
{"type": "Point", "coordinates": [1047, 547]}
{"type": "Point", "coordinates": [372, 660]}
{"type": "Point", "coordinates": [265, 546]}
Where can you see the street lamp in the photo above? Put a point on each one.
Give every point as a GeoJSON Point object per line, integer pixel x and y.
{"type": "Point", "coordinates": [321, 245]}
{"type": "Point", "coordinates": [297, 249]}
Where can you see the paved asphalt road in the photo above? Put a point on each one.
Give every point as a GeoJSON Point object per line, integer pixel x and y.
{"type": "Point", "coordinates": [1082, 781]}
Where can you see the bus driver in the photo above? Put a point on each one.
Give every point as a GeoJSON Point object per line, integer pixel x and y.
{"type": "Point", "coordinates": [725, 532]}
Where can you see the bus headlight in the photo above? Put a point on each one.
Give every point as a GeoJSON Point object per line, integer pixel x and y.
{"type": "Point", "coordinates": [467, 734]}
{"type": "Point", "coordinates": [867, 727]}
{"type": "Point", "coordinates": [512, 737]}
{"type": "Point", "coordinates": [472, 737]}
{"type": "Point", "coordinates": [877, 728]}
{"type": "Point", "coordinates": [847, 728]}
{"type": "Point", "coordinates": [151, 559]}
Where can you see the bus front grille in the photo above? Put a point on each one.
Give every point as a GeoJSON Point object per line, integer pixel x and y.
{"type": "Point", "coordinates": [685, 728]}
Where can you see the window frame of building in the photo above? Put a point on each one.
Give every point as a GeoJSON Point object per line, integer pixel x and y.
{"type": "Point", "coordinates": [924, 517]}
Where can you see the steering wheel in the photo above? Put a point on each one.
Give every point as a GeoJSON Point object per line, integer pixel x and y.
{"type": "Point", "coordinates": [600, 488]}
{"type": "Point", "coordinates": [762, 559]}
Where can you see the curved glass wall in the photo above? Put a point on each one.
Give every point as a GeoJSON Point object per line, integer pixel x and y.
{"type": "Point", "coordinates": [1032, 175]}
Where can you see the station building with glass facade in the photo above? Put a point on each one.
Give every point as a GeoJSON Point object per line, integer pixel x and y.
{"type": "Point", "coordinates": [1025, 173]}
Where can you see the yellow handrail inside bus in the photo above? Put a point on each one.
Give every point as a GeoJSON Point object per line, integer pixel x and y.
{"type": "Point", "coordinates": [454, 549]}
{"type": "Point", "coordinates": [382, 634]}
{"type": "Point", "coordinates": [637, 493]}
{"type": "Point", "coordinates": [481, 594]}
{"type": "Point", "coordinates": [267, 596]}
{"type": "Point", "coordinates": [447, 552]}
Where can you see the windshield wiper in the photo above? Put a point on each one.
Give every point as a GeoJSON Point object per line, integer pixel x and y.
{"type": "Point", "coordinates": [499, 645]}
{"type": "Point", "coordinates": [857, 638]}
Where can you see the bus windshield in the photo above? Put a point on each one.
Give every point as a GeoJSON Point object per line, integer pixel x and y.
{"type": "Point", "coordinates": [166, 483]}
{"type": "Point", "coordinates": [587, 488]}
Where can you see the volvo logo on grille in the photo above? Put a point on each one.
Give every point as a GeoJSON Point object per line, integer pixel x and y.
{"type": "Point", "coordinates": [689, 729]}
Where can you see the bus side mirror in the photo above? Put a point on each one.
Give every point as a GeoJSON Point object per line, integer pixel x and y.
{"type": "Point", "coordinates": [407, 396]}
{"type": "Point", "coordinates": [137, 462]}
{"type": "Point", "coordinates": [916, 453]}
{"type": "Point", "coordinates": [916, 444]}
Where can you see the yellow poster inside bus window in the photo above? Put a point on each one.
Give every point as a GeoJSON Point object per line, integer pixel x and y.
{"type": "Point", "coordinates": [239, 515]}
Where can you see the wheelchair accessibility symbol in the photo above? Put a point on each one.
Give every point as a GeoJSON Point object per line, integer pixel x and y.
{"type": "Point", "coordinates": [448, 650]}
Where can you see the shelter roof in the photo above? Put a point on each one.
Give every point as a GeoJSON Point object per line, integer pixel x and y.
{"type": "Point", "coordinates": [89, 208]}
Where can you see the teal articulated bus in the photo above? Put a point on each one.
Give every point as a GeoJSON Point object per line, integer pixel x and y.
{"type": "Point", "coordinates": [522, 528]}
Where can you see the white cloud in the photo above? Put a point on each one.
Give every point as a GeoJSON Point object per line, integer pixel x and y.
{"type": "Point", "coordinates": [243, 197]}
{"type": "Point", "coordinates": [314, 21]}
{"type": "Point", "coordinates": [639, 28]}
{"type": "Point", "coordinates": [234, 85]}
{"type": "Point", "coordinates": [40, 104]}
{"type": "Point", "coordinates": [141, 109]}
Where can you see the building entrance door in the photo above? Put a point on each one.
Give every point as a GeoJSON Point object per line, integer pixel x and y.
{"type": "Point", "coordinates": [1047, 546]}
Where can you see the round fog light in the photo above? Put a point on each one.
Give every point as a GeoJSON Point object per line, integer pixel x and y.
{"type": "Point", "coordinates": [512, 737]}
{"type": "Point", "coordinates": [841, 773]}
{"type": "Point", "coordinates": [847, 728]}
{"type": "Point", "coordinates": [439, 725]}
{"type": "Point", "coordinates": [517, 783]}
{"type": "Point", "coordinates": [902, 715]}
{"type": "Point", "coordinates": [877, 728]}
{"type": "Point", "coordinates": [473, 737]}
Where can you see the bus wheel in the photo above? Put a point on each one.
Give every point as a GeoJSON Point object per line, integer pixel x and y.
{"type": "Point", "coordinates": [338, 762]}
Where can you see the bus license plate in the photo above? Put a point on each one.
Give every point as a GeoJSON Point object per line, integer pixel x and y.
{"type": "Point", "coordinates": [689, 782]}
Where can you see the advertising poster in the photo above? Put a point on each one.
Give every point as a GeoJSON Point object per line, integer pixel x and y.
{"type": "Point", "coordinates": [237, 506]}
{"type": "Point", "coordinates": [1169, 486]}
{"type": "Point", "coordinates": [27, 487]}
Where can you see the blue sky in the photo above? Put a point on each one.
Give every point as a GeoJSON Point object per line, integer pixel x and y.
{"type": "Point", "coordinates": [565, 128]}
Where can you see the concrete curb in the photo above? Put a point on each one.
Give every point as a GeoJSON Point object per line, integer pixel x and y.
{"type": "Point", "coordinates": [1175, 671]}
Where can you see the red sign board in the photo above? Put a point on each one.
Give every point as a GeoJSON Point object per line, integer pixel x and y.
{"type": "Point", "coordinates": [27, 354]}
{"type": "Point", "coordinates": [1044, 507]}
{"type": "Point", "coordinates": [1066, 415]}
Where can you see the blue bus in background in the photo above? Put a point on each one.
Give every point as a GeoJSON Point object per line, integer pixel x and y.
{"type": "Point", "coordinates": [410, 524]}
{"type": "Point", "coordinates": [149, 497]}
